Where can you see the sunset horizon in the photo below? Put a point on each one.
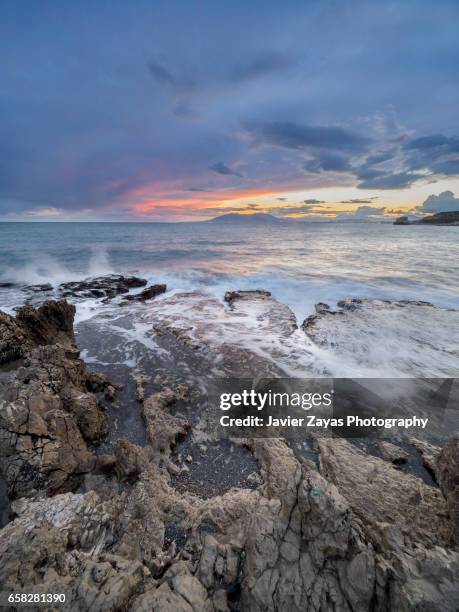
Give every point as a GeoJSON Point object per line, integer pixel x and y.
{"type": "Point", "coordinates": [318, 118]}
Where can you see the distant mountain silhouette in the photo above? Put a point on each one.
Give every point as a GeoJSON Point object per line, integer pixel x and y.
{"type": "Point", "coordinates": [247, 219]}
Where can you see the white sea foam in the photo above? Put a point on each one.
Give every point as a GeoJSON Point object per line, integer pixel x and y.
{"type": "Point", "coordinates": [301, 266]}
{"type": "Point", "coordinates": [45, 269]}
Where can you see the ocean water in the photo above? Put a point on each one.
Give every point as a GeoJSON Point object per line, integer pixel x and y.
{"type": "Point", "coordinates": [300, 263]}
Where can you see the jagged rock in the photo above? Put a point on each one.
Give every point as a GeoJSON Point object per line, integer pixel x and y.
{"type": "Point", "coordinates": [391, 452]}
{"type": "Point", "coordinates": [232, 296]}
{"type": "Point", "coordinates": [131, 460]}
{"type": "Point", "coordinates": [55, 545]}
{"type": "Point", "coordinates": [101, 287]}
{"type": "Point", "coordinates": [13, 339]}
{"type": "Point", "coordinates": [380, 494]}
{"type": "Point", "coordinates": [47, 415]}
{"type": "Point", "coordinates": [147, 294]}
{"type": "Point", "coordinates": [163, 428]}
{"type": "Point", "coordinates": [44, 530]}
{"type": "Point", "coordinates": [358, 536]}
{"type": "Point", "coordinates": [97, 382]}
{"type": "Point", "coordinates": [162, 599]}
{"type": "Point", "coordinates": [322, 308]}
{"type": "Point", "coordinates": [447, 470]}
{"type": "Point", "coordinates": [51, 323]}
{"type": "Point", "coordinates": [429, 454]}
{"type": "Point", "coordinates": [294, 544]}
{"type": "Point", "coordinates": [140, 380]}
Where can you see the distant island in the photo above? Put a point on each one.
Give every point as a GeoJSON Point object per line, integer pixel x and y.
{"type": "Point", "coordinates": [441, 218]}
{"type": "Point", "coordinates": [241, 218]}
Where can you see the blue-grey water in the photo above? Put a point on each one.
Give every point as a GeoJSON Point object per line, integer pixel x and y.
{"type": "Point", "coordinates": [300, 263]}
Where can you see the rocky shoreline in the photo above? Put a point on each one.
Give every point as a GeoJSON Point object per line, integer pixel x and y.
{"type": "Point", "coordinates": [440, 218]}
{"type": "Point", "coordinates": [120, 525]}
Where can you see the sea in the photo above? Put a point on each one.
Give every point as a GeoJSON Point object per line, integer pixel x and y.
{"type": "Point", "coordinates": [300, 263]}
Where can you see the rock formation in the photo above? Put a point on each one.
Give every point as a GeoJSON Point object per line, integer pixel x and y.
{"type": "Point", "coordinates": [113, 531]}
{"type": "Point", "coordinates": [101, 287]}
{"type": "Point", "coordinates": [440, 218]}
{"type": "Point", "coordinates": [48, 416]}
{"type": "Point", "coordinates": [147, 294]}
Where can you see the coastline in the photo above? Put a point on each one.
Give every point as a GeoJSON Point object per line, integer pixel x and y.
{"type": "Point", "coordinates": [141, 513]}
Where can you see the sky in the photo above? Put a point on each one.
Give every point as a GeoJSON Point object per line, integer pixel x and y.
{"type": "Point", "coordinates": [175, 111]}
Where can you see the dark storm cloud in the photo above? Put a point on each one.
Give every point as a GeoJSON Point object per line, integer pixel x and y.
{"type": "Point", "coordinates": [221, 168]}
{"type": "Point", "coordinates": [380, 157]}
{"type": "Point", "coordinates": [435, 141]}
{"type": "Point", "coordinates": [437, 154]}
{"type": "Point", "coordinates": [300, 136]}
{"type": "Point", "coordinates": [448, 167]}
{"type": "Point", "coordinates": [328, 163]}
{"type": "Point", "coordinates": [124, 102]}
{"type": "Point", "coordinates": [398, 180]}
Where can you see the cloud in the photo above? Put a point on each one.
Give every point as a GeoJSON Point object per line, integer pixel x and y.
{"type": "Point", "coordinates": [221, 168]}
{"type": "Point", "coordinates": [362, 213]}
{"type": "Point", "coordinates": [448, 167]}
{"type": "Point", "coordinates": [291, 135]}
{"type": "Point", "coordinates": [359, 200]}
{"type": "Point", "coordinates": [444, 202]}
{"type": "Point", "coordinates": [197, 189]}
{"type": "Point", "coordinates": [263, 65]}
{"type": "Point", "coordinates": [328, 162]}
{"type": "Point", "coordinates": [369, 211]}
{"type": "Point", "coordinates": [107, 119]}
{"type": "Point", "coordinates": [380, 180]}
{"type": "Point", "coordinates": [434, 141]}
{"type": "Point", "coordinates": [161, 75]}
{"type": "Point", "coordinates": [307, 207]}
{"type": "Point", "coordinates": [438, 154]}
{"type": "Point", "coordinates": [51, 211]}
{"type": "Point", "coordinates": [285, 211]}
{"type": "Point", "coordinates": [403, 163]}
{"type": "Point", "coordinates": [379, 158]}
{"type": "Point", "coordinates": [180, 90]}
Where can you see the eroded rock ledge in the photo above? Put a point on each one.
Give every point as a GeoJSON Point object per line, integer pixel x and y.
{"type": "Point", "coordinates": [354, 535]}
{"type": "Point", "coordinates": [49, 415]}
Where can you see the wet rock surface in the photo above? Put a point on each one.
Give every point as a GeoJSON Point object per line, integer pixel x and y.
{"type": "Point", "coordinates": [176, 520]}
{"type": "Point", "coordinates": [102, 287]}
{"type": "Point", "coordinates": [375, 329]}
{"type": "Point", "coordinates": [147, 294]}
